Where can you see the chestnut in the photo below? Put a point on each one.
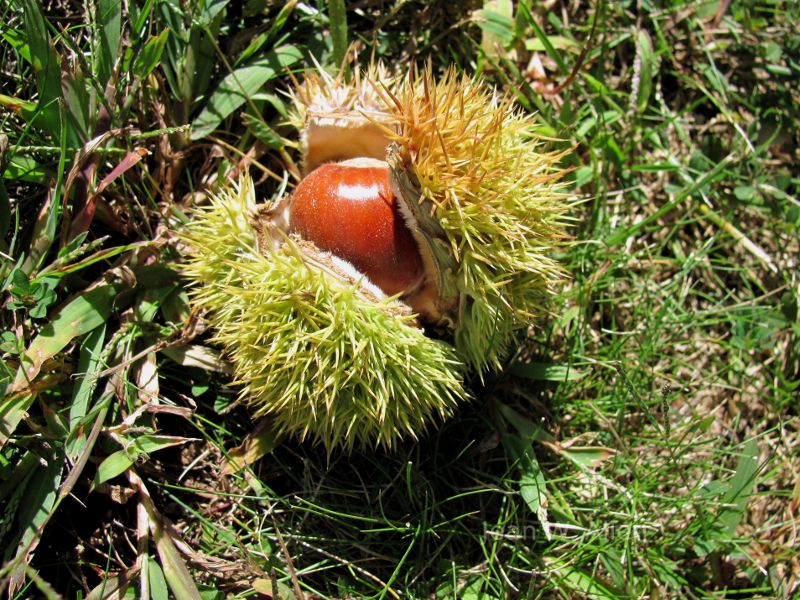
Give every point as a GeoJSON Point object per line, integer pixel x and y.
{"type": "Point", "coordinates": [349, 209]}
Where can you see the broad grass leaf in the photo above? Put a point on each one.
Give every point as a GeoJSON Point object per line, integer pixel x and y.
{"type": "Point", "coordinates": [731, 496]}
{"type": "Point", "coordinates": [546, 42]}
{"type": "Point", "coordinates": [150, 55]}
{"type": "Point", "coordinates": [200, 357]}
{"type": "Point", "coordinates": [158, 583]}
{"type": "Point", "coordinates": [211, 9]}
{"type": "Point", "coordinates": [147, 303]}
{"type": "Point", "coordinates": [277, 24]}
{"type": "Point", "coordinates": [265, 134]}
{"type": "Point", "coordinates": [465, 587]}
{"type": "Point", "coordinates": [582, 584]}
{"type": "Point", "coordinates": [706, 9]}
{"type": "Point", "coordinates": [532, 485]}
{"type": "Point", "coordinates": [77, 104]}
{"type": "Point", "coordinates": [113, 587]}
{"type": "Point", "coordinates": [559, 42]}
{"type": "Point", "coordinates": [46, 65]}
{"type": "Point", "coordinates": [586, 456]}
{"type": "Point", "coordinates": [109, 32]}
{"type": "Point", "coordinates": [16, 480]}
{"type": "Point", "coordinates": [521, 18]}
{"type": "Point", "coordinates": [120, 461]}
{"type": "Point", "coordinates": [546, 371]}
{"type": "Point", "coordinates": [114, 464]}
{"type": "Point", "coordinates": [496, 22]}
{"type": "Point", "coordinates": [646, 57]}
{"type": "Point", "coordinates": [16, 39]}
{"type": "Point", "coordinates": [21, 167]}
{"type": "Point", "coordinates": [175, 570]}
{"type": "Point", "coordinates": [614, 565]}
{"type": "Point", "coordinates": [337, 15]}
{"type": "Point", "coordinates": [524, 426]}
{"type": "Point", "coordinates": [175, 306]}
{"type": "Point", "coordinates": [99, 256]}
{"type": "Point", "coordinates": [265, 588]}
{"type": "Point", "coordinates": [82, 315]}
{"type": "Point", "coordinates": [24, 108]}
{"type": "Point", "coordinates": [740, 488]}
{"type": "Point", "coordinates": [153, 443]}
{"type": "Point", "coordinates": [38, 503]}
{"type": "Point", "coordinates": [237, 87]}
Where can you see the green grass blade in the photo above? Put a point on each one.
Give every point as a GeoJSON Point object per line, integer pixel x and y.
{"type": "Point", "coordinates": [544, 39]}
{"type": "Point", "coordinates": [44, 231]}
{"type": "Point", "coordinates": [270, 34]}
{"type": "Point", "coordinates": [496, 21]}
{"type": "Point", "coordinates": [37, 506]}
{"type": "Point", "coordinates": [150, 55]}
{"type": "Point", "coordinates": [521, 18]}
{"type": "Point", "coordinates": [175, 570]}
{"type": "Point", "coordinates": [117, 463]}
{"type": "Point", "coordinates": [239, 86]}
{"type": "Point", "coordinates": [158, 584]}
{"type": "Point", "coordinates": [21, 167]}
{"type": "Point", "coordinates": [46, 65]}
{"type": "Point", "coordinates": [337, 15]}
{"type": "Point", "coordinates": [532, 485]}
{"type": "Point", "coordinates": [109, 33]}
{"type": "Point", "coordinates": [524, 426]}
{"type": "Point", "coordinates": [546, 372]}
{"type": "Point", "coordinates": [113, 465]}
{"type": "Point", "coordinates": [255, 446]}
{"type": "Point", "coordinates": [582, 584]}
{"type": "Point", "coordinates": [47, 590]}
{"type": "Point", "coordinates": [79, 317]}
{"type": "Point", "coordinates": [111, 587]}
{"type": "Point", "coordinates": [646, 62]}
{"type": "Point", "coordinates": [620, 236]}
{"type": "Point", "coordinates": [76, 104]}
{"type": "Point", "coordinates": [740, 488]}
{"type": "Point", "coordinates": [88, 365]}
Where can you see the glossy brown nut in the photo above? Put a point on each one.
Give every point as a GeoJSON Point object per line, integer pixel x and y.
{"type": "Point", "coordinates": [349, 210]}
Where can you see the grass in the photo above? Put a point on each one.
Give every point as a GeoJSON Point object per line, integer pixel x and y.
{"type": "Point", "coordinates": [643, 441]}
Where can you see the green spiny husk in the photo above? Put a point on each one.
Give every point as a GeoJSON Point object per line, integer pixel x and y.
{"type": "Point", "coordinates": [494, 192]}
{"type": "Point", "coordinates": [323, 360]}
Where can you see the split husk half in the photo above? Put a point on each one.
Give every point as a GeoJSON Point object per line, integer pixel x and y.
{"type": "Point", "coordinates": [326, 356]}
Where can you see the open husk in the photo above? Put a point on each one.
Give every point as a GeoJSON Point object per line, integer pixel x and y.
{"type": "Point", "coordinates": [318, 348]}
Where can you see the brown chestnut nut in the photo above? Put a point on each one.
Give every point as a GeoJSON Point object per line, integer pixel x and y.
{"type": "Point", "coordinates": [350, 210]}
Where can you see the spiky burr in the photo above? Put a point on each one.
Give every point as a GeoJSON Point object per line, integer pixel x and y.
{"type": "Point", "coordinates": [349, 354]}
